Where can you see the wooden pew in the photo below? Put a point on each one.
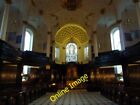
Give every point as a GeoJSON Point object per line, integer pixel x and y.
{"type": "Point", "coordinates": [105, 75]}
{"type": "Point", "coordinates": [12, 90]}
{"type": "Point", "coordinates": [127, 93]}
{"type": "Point", "coordinates": [10, 75]}
{"type": "Point", "coordinates": [131, 59]}
{"type": "Point", "coordinates": [132, 89]}
{"type": "Point", "coordinates": [36, 85]}
{"type": "Point", "coordinates": [34, 58]}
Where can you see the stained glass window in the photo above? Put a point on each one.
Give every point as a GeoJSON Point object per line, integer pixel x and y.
{"type": "Point", "coordinates": [71, 52]}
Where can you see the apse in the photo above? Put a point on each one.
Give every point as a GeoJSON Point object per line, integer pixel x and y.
{"type": "Point", "coordinates": [72, 40]}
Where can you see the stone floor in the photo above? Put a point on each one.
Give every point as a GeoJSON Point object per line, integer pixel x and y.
{"type": "Point", "coordinates": [75, 97]}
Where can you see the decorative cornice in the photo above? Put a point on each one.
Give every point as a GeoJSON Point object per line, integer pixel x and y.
{"type": "Point", "coordinates": [110, 2]}
{"type": "Point", "coordinates": [135, 1]}
{"type": "Point", "coordinates": [90, 41]}
{"type": "Point", "coordinates": [94, 32]}
{"type": "Point", "coordinates": [8, 1]}
{"type": "Point", "coordinates": [49, 32]}
{"type": "Point", "coordinates": [41, 12]}
{"type": "Point", "coordinates": [33, 3]}
{"type": "Point", "coordinates": [117, 22]}
{"type": "Point", "coordinates": [102, 11]}
{"type": "Point", "coordinates": [25, 22]}
{"type": "Point", "coordinates": [53, 41]}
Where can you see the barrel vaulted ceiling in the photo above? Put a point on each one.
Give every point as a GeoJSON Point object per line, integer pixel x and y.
{"type": "Point", "coordinates": [71, 32]}
{"type": "Point", "coordinates": [51, 15]}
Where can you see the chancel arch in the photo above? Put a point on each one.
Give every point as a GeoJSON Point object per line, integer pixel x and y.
{"type": "Point", "coordinates": [71, 38]}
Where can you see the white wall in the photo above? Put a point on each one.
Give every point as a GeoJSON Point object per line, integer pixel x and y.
{"type": "Point", "coordinates": [104, 42]}
{"type": "Point", "coordinates": [130, 24]}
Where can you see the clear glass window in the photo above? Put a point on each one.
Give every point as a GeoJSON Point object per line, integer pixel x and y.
{"type": "Point", "coordinates": [86, 52]}
{"type": "Point", "coordinates": [57, 53]}
{"type": "Point", "coordinates": [28, 40]}
{"type": "Point", "coordinates": [115, 39]}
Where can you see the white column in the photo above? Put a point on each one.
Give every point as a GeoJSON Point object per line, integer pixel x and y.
{"type": "Point", "coordinates": [90, 46]}
{"type": "Point", "coordinates": [89, 50]}
{"type": "Point", "coordinates": [23, 37]}
{"type": "Point", "coordinates": [53, 45]}
{"type": "Point", "coordinates": [53, 51]}
{"type": "Point", "coordinates": [4, 24]}
{"type": "Point", "coordinates": [120, 25]}
{"type": "Point", "coordinates": [48, 44]}
{"type": "Point", "coordinates": [122, 38]}
{"type": "Point", "coordinates": [95, 44]}
{"type": "Point", "coordinates": [138, 12]}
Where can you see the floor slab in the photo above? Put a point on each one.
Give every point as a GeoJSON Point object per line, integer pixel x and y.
{"type": "Point", "coordinates": [75, 97]}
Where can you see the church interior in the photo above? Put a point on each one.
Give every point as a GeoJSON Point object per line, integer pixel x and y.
{"type": "Point", "coordinates": [69, 52]}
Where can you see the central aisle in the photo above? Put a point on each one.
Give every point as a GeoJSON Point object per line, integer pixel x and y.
{"type": "Point", "coordinates": [75, 97]}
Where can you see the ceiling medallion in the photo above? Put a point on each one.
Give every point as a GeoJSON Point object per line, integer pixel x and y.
{"type": "Point", "coordinates": [71, 4]}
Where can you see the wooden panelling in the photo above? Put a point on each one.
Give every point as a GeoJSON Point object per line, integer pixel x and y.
{"type": "Point", "coordinates": [134, 75]}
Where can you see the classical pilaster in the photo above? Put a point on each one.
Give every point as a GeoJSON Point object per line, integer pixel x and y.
{"type": "Point", "coordinates": [4, 24]}
{"type": "Point", "coordinates": [90, 50]}
{"type": "Point", "coordinates": [122, 38]}
{"type": "Point", "coordinates": [138, 12]}
{"type": "Point", "coordinates": [53, 50]}
{"type": "Point", "coordinates": [95, 44]}
{"type": "Point", "coordinates": [48, 43]}
{"type": "Point", "coordinates": [23, 37]}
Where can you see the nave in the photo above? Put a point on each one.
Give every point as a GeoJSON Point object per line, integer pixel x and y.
{"type": "Point", "coordinates": [19, 89]}
{"type": "Point", "coordinates": [91, 45]}
{"type": "Point", "coordinates": [75, 97]}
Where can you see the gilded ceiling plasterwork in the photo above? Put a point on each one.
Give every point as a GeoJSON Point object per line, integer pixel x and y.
{"type": "Point", "coordinates": [71, 31]}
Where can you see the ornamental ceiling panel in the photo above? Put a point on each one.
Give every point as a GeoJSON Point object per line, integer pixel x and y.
{"type": "Point", "coordinates": [71, 31]}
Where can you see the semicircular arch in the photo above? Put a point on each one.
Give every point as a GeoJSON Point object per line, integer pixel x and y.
{"type": "Point", "coordinates": [71, 32]}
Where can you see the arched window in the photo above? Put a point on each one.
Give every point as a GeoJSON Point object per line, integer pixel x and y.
{"type": "Point", "coordinates": [115, 39]}
{"type": "Point", "coordinates": [28, 42]}
{"type": "Point", "coordinates": [57, 53]}
{"type": "Point", "coordinates": [86, 52]}
{"type": "Point", "coordinates": [71, 52]}
{"type": "Point", "coordinates": [116, 45]}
